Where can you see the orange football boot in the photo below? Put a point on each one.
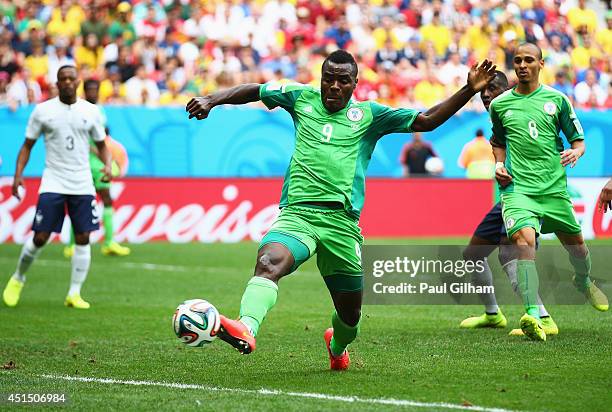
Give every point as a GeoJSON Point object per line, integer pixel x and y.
{"type": "Point", "coordinates": [337, 363]}
{"type": "Point", "coordinates": [236, 334]}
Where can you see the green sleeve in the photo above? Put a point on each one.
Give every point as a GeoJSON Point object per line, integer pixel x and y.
{"type": "Point", "coordinates": [499, 134]}
{"type": "Point", "coordinates": [275, 94]}
{"type": "Point", "coordinates": [572, 129]}
{"type": "Point", "coordinates": [388, 120]}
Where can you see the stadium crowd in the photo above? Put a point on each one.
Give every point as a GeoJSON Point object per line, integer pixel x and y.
{"type": "Point", "coordinates": [411, 52]}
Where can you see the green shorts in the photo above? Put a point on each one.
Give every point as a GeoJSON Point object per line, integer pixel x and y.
{"type": "Point", "coordinates": [96, 171]}
{"type": "Point", "coordinates": [553, 212]}
{"type": "Point", "coordinates": [332, 234]}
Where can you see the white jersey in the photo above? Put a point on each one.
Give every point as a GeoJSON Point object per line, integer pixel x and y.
{"type": "Point", "coordinates": [67, 130]}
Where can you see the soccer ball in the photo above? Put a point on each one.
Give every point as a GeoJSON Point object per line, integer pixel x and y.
{"type": "Point", "coordinates": [434, 165]}
{"type": "Point", "coordinates": [196, 322]}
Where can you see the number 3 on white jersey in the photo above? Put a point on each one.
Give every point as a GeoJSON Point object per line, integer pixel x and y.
{"type": "Point", "coordinates": [533, 129]}
{"type": "Point", "coordinates": [327, 133]}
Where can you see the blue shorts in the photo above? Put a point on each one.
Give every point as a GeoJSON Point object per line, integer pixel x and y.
{"type": "Point", "coordinates": [492, 227]}
{"type": "Point", "coordinates": [51, 210]}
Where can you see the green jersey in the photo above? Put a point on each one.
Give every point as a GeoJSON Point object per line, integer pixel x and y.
{"type": "Point", "coordinates": [332, 150]}
{"type": "Point", "coordinates": [528, 126]}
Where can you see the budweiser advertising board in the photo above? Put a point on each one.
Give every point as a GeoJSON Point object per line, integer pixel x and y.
{"type": "Point", "coordinates": [231, 210]}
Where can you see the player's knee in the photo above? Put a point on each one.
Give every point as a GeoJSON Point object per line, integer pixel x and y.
{"type": "Point", "coordinates": [270, 267]}
{"type": "Point", "coordinates": [81, 238]}
{"type": "Point", "coordinates": [41, 239]}
{"type": "Point", "coordinates": [506, 254]}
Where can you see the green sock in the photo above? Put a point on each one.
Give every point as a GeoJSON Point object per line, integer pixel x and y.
{"type": "Point", "coordinates": [528, 283]}
{"type": "Point", "coordinates": [582, 266]}
{"type": "Point", "coordinates": [72, 241]}
{"type": "Point", "coordinates": [343, 335]}
{"type": "Point", "coordinates": [107, 218]}
{"type": "Point", "coordinates": [258, 298]}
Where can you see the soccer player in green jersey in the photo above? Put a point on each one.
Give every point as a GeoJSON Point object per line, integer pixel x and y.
{"type": "Point", "coordinates": [323, 191]}
{"type": "Point", "coordinates": [110, 247]}
{"type": "Point", "coordinates": [491, 234]}
{"type": "Point", "coordinates": [526, 123]}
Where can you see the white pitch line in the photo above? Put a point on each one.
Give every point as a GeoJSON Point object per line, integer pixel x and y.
{"type": "Point", "coordinates": [127, 265]}
{"type": "Point", "coordinates": [280, 393]}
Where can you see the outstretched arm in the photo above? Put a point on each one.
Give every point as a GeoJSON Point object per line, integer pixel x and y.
{"type": "Point", "coordinates": [199, 107]}
{"type": "Point", "coordinates": [478, 78]}
{"type": "Point", "coordinates": [22, 161]}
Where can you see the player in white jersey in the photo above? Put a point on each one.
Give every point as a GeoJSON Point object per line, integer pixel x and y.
{"type": "Point", "coordinates": [68, 123]}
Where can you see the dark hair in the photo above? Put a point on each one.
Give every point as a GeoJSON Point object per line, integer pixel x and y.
{"type": "Point", "coordinates": [533, 45]}
{"type": "Point", "coordinates": [501, 79]}
{"type": "Point", "coordinates": [479, 132]}
{"type": "Point", "coordinates": [66, 66]}
{"type": "Point", "coordinates": [342, 57]}
{"type": "Point", "coordinates": [91, 83]}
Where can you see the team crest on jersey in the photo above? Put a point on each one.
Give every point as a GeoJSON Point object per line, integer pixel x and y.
{"type": "Point", "coordinates": [550, 108]}
{"type": "Point", "coordinates": [509, 223]}
{"type": "Point", "coordinates": [354, 114]}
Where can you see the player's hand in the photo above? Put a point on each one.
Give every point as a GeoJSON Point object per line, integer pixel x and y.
{"type": "Point", "coordinates": [199, 107]}
{"type": "Point", "coordinates": [605, 198]}
{"type": "Point", "coordinates": [480, 76]}
{"type": "Point", "coordinates": [502, 176]}
{"type": "Point", "coordinates": [107, 174]}
{"type": "Point", "coordinates": [17, 181]}
{"type": "Point", "coordinates": [569, 157]}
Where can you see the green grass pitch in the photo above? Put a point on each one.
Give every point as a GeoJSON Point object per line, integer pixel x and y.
{"type": "Point", "coordinates": [408, 353]}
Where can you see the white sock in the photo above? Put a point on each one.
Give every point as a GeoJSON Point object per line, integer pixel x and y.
{"type": "Point", "coordinates": [80, 266]}
{"type": "Point", "coordinates": [510, 269]}
{"type": "Point", "coordinates": [485, 278]}
{"type": "Point", "coordinates": [29, 252]}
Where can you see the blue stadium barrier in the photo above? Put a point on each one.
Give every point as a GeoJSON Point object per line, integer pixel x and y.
{"type": "Point", "coordinates": [252, 142]}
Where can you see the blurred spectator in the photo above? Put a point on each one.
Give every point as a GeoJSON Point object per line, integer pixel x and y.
{"type": "Point", "coordinates": [557, 54]}
{"type": "Point", "coordinates": [37, 63]}
{"type": "Point", "coordinates": [436, 33]}
{"type": "Point", "coordinates": [582, 54]}
{"type": "Point", "coordinates": [90, 54]}
{"type": "Point", "coordinates": [173, 96]}
{"type": "Point", "coordinates": [604, 36]}
{"type": "Point", "coordinates": [429, 91]}
{"type": "Point", "coordinates": [8, 59]}
{"type": "Point", "coordinates": [124, 64]}
{"type": "Point", "coordinates": [477, 157]}
{"type": "Point", "coordinates": [122, 27]}
{"type": "Point", "coordinates": [388, 54]}
{"type": "Point", "coordinates": [140, 89]}
{"type": "Point", "coordinates": [95, 23]}
{"type": "Point", "coordinates": [414, 155]}
{"type": "Point", "coordinates": [453, 69]}
{"type": "Point", "coordinates": [580, 16]}
{"type": "Point", "coordinates": [22, 91]}
{"type": "Point", "coordinates": [402, 46]}
{"type": "Point", "coordinates": [58, 57]}
{"type": "Point", "coordinates": [66, 21]}
{"type": "Point", "coordinates": [4, 80]}
{"type": "Point", "coordinates": [339, 34]}
{"type": "Point", "coordinates": [563, 84]}
{"type": "Point", "coordinates": [533, 31]}
{"type": "Point", "coordinates": [589, 94]}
